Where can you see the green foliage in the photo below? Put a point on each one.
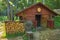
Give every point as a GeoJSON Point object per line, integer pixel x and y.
{"type": "Point", "coordinates": [2, 6]}
{"type": "Point", "coordinates": [14, 35]}
{"type": "Point", "coordinates": [3, 18]}
{"type": "Point", "coordinates": [25, 37]}
{"type": "Point", "coordinates": [16, 18]}
{"type": "Point", "coordinates": [38, 0]}
{"type": "Point", "coordinates": [18, 5]}
{"type": "Point", "coordinates": [57, 21]}
{"type": "Point", "coordinates": [51, 4]}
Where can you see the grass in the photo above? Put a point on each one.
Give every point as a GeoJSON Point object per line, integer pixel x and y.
{"type": "Point", "coordinates": [14, 35]}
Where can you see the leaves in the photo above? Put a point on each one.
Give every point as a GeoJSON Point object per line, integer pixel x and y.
{"type": "Point", "coordinates": [18, 5]}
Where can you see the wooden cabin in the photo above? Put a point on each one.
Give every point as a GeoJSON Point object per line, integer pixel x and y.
{"type": "Point", "coordinates": [37, 13]}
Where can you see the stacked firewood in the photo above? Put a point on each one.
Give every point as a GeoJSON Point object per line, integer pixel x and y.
{"type": "Point", "coordinates": [14, 27]}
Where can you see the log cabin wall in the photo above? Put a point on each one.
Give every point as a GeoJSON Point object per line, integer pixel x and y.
{"type": "Point", "coordinates": [31, 12]}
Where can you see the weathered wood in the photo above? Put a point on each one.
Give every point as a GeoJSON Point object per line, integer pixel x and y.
{"type": "Point", "coordinates": [32, 11]}
{"type": "Point", "coordinates": [14, 27]}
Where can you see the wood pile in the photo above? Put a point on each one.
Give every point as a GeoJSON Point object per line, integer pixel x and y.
{"type": "Point", "coordinates": [14, 27]}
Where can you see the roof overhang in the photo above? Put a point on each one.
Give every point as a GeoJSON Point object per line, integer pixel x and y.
{"type": "Point", "coordinates": [35, 5]}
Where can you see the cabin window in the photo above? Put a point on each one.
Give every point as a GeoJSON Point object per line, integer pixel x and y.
{"type": "Point", "coordinates": [37, 17]}
{"type": "Point", "coordinates": [21, 18]}
{"type": "Point", "coordinates": [53, 16]}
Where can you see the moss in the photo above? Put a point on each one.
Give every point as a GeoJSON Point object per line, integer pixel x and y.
{"type": "Point", "coordinates": [14, 35]}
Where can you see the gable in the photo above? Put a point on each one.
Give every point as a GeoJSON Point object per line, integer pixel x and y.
{"type": "Point", "coordinates": [33, 7]}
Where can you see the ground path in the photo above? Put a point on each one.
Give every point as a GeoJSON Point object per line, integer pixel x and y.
{"type": "Point", "coordinates": [47, 34]}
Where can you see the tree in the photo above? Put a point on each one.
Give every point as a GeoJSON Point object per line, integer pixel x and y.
{"type": "Point", "coordinates": [58, 4]}
{"type": "Point", "coordinates": [14, 6]}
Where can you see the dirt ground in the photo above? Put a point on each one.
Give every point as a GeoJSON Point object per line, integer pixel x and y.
{"type": "Point", "coordinates": [48, 34]}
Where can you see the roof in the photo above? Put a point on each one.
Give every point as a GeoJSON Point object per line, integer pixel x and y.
{"type": "Point", "coordinates": [35, 5]}
{"type": "Point", "coordinates": [57, 11]}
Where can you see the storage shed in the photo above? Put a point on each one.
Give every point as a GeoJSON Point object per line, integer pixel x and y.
{"type": "Point", "coordinates": [37, 13]}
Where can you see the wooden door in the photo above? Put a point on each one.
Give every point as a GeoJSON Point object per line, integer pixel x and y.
{"type": "Point", "coordinates": [44, 20]}
{"type": "Point", "coordinates": [38, 19]}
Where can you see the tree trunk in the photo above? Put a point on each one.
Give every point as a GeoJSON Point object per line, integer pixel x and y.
{"type": "Point", "coordinates": [8, 10]}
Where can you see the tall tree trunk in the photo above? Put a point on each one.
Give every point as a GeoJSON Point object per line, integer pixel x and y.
{"type": "Point", "coordinates": [12, 14]}
{"type": "Point", "coordinates": [8, 10]}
